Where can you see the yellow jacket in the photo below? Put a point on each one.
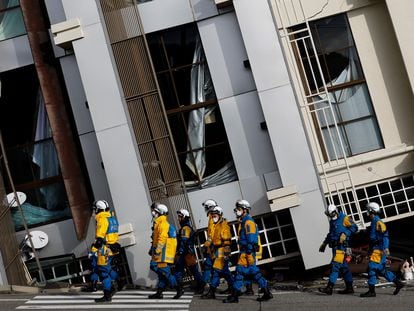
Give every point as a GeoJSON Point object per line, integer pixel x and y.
{"type": "Point", "coordinates": [221, 240]}
{"type": "Point", "coordinates": [163, 245]}
{"type": "Point", "coordinates": [221, 235]}
{"type": "Point", "coordinates": [104, 253]}
{"type": "Point", "coordinates": [210, 232]}
{"type": "Point", "coordinates": [102, 228]}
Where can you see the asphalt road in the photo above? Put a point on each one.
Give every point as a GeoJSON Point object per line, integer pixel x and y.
{"type": "Point", "coordinates": [313, 300]}
{"type": "Point", "coordinates": [283, 300]}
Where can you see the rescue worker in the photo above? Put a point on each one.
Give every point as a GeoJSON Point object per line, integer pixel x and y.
{"type": "Point", "coordinates": [379, 250]}
{"type": "Point", "coordinates": [220, 252]}
{"type": "Point", "coordinates": [341, 227]}
{"type": "Point", "coordinates": [106, 239]}
{"type": "Point", "coordinates": [208, 205]}
{"type": "Point", "coordinates": [185, 251]}
{"type": "Point", "coordinates": [248, 239]}
{"type": "Point", "coordinates": [162, 251]}
{"type": "Point", "coordinates": [104, 271]}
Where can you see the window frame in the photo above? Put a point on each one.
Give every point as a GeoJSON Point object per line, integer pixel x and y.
{"type": "Point", "coordinates": [320, 52]}
{"type": "Point", "coordinates": [180, 107]}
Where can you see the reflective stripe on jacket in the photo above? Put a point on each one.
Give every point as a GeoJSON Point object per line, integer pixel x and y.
{"type": "Point", "coordinates": [164, 246]}
{"type": "Point", "coordinates": [106, 227]}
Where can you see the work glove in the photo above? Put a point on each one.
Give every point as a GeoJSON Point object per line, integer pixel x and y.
{"type": "Point", "coordinates": [387, 252]}
{"type": "Point", "coordinates": [342, 238]}
{"type": "Point", "coordinates": [206, 246]}
{"type": "Point", "coordinates": [322, 248]}
{"type": "Point", "coordinates": [156, 256]}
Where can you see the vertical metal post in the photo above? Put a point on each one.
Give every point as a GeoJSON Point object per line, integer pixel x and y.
{"type": "Point", "coordinates": [9, 176]}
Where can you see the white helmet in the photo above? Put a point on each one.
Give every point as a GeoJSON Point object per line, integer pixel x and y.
{"type": "Point", "coordinates": [183, 213]}
{"type": "Point", "coordinates": [373, 208]}
{"type": "Point", "coordinates": [161, 209]}
{"type": "Point", "coordinates": [100, 205]}
{"type": "Point", "coordinates": [209, 205]}
{"type": "Point", "coordinates": [217, 210]}
{"type": "Point", "coordinates": [331, 210]}
{"type": "Point", "coordinates": [244, 204]}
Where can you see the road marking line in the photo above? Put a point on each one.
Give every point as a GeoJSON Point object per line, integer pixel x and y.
{"type": "Point", "coordinates": [106, 306]}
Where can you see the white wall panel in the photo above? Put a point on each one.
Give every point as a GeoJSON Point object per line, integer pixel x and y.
{"type": "Point", "coordinates": [86, 11]}
{"type": "Point", "coordinates": [96, 172]}
{"type": "Point", "coordinates": [203, 9]}
{"type": "Point", "coordinates": [225, 53]}
{"type": "Point", "coordinates": [262, 43]}
{"type": "Point", "coordinates": [76, 94]}
{"type": "Point", "coordinates": [161, 14]}
{"type": "Point", "coordinates": [250, 145]}
{"type": "Point", "coordinates": [284, 124]}
{"type": "Point", "coordinates": [129, 193]}
{"type": "Point", "coordinates": [99, 79]}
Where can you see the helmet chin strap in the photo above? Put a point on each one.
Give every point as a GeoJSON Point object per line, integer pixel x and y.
{"type": "Point", "coordinates": [334, 217]}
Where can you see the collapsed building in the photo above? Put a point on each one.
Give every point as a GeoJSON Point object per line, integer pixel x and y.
{"type": "Point", "coordinates": [287, 104]}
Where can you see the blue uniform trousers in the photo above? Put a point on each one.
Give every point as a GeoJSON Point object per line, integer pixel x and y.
{"type": "Point", "coordinates": [165, 276]}
{"type": "Point", "coordinates": [208, 269]}
{"type": "Point", "coordinates": [340, 268]}
{"type": "Point", "coordinates": [104, 273]}
{"type": "Point", "coordinates": [375, 268]}
{"type": "Point", "coordinates": [251, 272]}
{"type": "Point", "coordinates": [225, 273]}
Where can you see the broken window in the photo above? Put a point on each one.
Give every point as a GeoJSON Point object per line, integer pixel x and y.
{"type": "Point", "coordinates": [342, 109]}
{"type": "Point", "coordinates": [11, 19]}
{"type": "Point", "coordinates": [30, 149]}
{"type": "Point", "coordinates": [191, 106]}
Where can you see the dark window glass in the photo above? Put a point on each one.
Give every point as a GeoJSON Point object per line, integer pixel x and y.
{"type": "Point", "coordinates": [192, 108]}
{"type": "Point", "coordinates": [11, 19]}
{"type": "Point", "coordinates": [343, 112]}
{"type": "Point", "coordinates": [30, 150]}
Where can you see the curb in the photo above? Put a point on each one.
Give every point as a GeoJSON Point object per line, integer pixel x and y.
{"type": "Point", "coordinates": [19, 289]}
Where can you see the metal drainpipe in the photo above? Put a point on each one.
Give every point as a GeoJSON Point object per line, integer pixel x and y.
{"type": "Point", "coordinates": [43, 57]}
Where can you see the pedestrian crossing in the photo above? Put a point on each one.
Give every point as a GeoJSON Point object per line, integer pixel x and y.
{"type": "Point", "coordinates": [127, 300]}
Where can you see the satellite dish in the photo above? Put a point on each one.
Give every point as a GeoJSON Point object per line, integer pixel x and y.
{"type": "Point", "coordinates": [39, 239]}
{"type": "Point", "coordinates": [11, 199]}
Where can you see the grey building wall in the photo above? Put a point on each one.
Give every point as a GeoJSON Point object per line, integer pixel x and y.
{"type": "Point", "coordinates": [115, 139]}
{"type": "Point", "coordinates": [286, 132]}
{"type": "Point", "coordinates": [246, 98]}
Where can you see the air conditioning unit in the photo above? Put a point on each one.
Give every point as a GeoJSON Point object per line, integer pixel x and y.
{"type": "Point", "coordinates": [223, 3]}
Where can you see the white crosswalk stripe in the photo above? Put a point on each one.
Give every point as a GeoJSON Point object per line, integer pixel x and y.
{"type": "Point", "coordinates": [133, 299]}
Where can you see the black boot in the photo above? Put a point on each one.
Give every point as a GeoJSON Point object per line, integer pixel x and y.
{"type": "Point", "coordinates": [398, 286]}
{"type": "Point", "coordinates": [249, 290]}
{"type": "Point", "coordinates": [211, 294]}
{"type": "Point", "coordinates": [157, 295]}
{"type": "Point", "coordinates": [106, 297]}
{"type": "Point", "coordinates": [180, 291]}
{"type": "Point", "coordinates": [267, 295]}
{"type": "Point", "coordinates": [370, 292]}
{"type": "Point", "coordinates": [199, 289]}
{"type": "Point", "coordinates": [349, 289]}
{"type": "Point", "coordinates": [328, 289]}
{"type": "Point", "coordinates": [233, 298]}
